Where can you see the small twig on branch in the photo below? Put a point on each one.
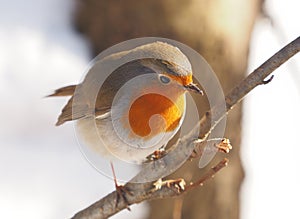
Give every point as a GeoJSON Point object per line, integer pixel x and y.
{"type": "Point", "coordinates": [210, 174]}
{"type": "Point", "coordinates": [267, 81]}
{"type": "Point", "coordinates": [179, 185]}
{"type": "Point", "coordinates": [144, 191]}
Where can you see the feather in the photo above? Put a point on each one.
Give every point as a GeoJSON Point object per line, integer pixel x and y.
{"type": "Point", "coordinates": [64, 91]}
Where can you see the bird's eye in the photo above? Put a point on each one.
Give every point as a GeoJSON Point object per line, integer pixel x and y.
{"type": "Point", "coordinates": [164, 79]}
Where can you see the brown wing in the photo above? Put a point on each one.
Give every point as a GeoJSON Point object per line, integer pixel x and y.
{"type": "Point", "coordinates": [94, 97]}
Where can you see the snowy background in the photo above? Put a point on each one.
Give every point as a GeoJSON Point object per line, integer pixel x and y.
{"type": "Point", "coordinates": [42, 172]}
{"type": "Point", "coordinates": [271, 148]}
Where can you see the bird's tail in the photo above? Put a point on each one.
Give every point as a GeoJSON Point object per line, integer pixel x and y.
{"type": "Point", "coordinates": [70, 111]}
{"type": "Point", "coordinates": [64, 91]}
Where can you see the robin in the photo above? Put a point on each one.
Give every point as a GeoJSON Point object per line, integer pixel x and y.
{"type": "Point", "coordinates": [137, 108]}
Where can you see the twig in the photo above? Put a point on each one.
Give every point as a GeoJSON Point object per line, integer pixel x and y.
{"type": "Point", "coordinates": [144, 191]}
{"type": "Point", "coordinates": [210, 174]}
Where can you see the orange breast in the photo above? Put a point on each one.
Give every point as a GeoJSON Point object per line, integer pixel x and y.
{"type": "Point", "coordinates": [148, 105]}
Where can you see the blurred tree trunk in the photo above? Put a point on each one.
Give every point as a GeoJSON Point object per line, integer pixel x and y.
{"type": "Point", "coordinates": [220, 31]}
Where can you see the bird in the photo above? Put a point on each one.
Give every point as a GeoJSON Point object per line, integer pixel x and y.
{"type": "Point", "coordinates": [131, 103]}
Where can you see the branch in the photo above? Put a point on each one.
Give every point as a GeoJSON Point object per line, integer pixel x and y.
{"type": "Point", "coordinates": [210, 174]}
{"type": "Point", "coordinates": [107, 206]}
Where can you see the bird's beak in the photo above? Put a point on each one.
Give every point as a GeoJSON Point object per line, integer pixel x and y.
{"type": "Point", "coordinates": [193, 87]}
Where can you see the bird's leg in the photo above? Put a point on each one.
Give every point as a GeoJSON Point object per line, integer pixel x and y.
{"type": "Point", "coordinates": [120, 189]}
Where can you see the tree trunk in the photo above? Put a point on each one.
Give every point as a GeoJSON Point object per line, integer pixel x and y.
{"type": "Point", "coordinates": [220, 31]}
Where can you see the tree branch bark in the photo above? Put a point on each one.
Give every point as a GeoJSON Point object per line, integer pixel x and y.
{"type": "Point", "coordinates": [107, 206]}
